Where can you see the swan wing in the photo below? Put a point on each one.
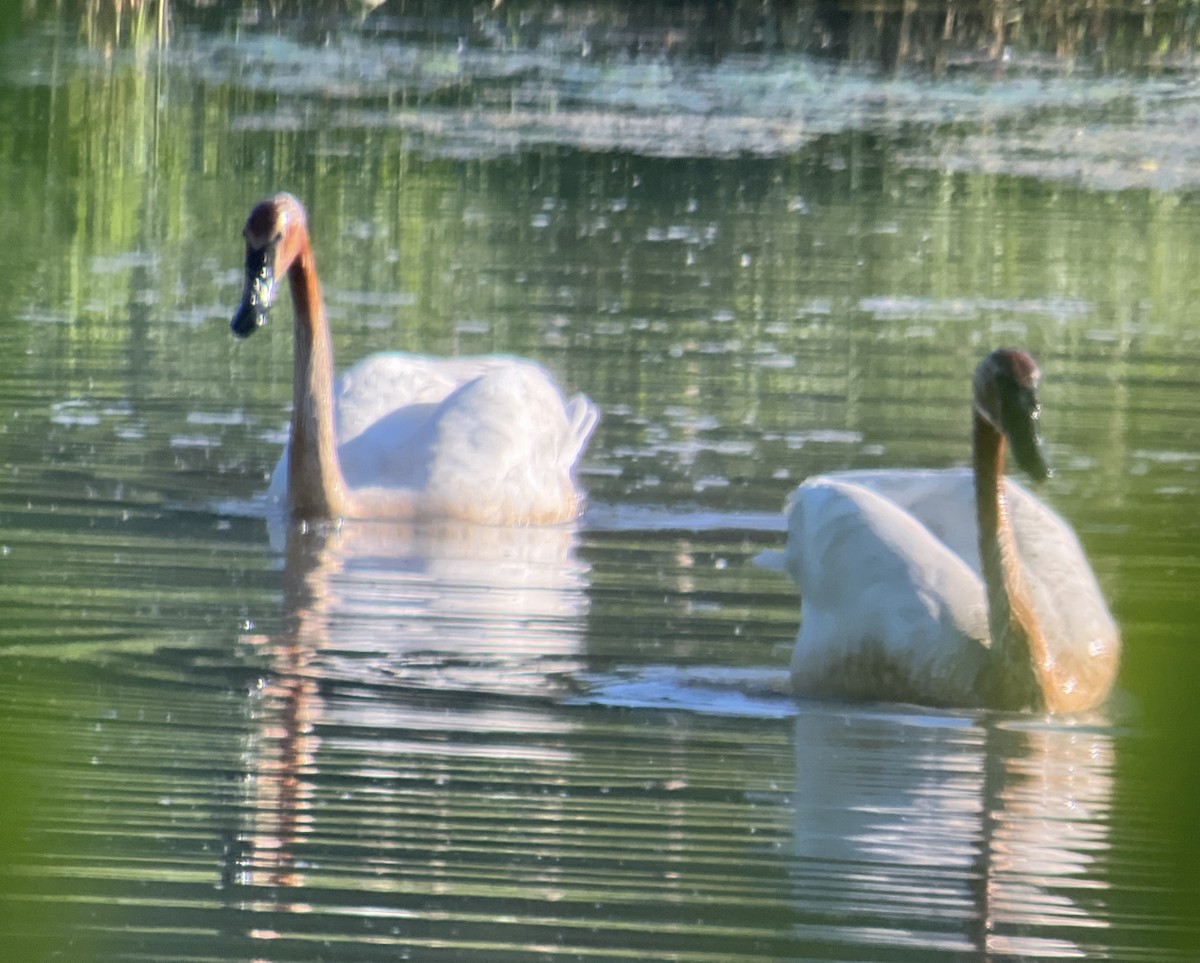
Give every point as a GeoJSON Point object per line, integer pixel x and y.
{"type": "Point", "coordinates": [483, 438]}
{"type": "Point", "coordinates": [1080, 632]}
{"type": "Point", "coordinates": [943, 500]}
{"type": "Point", "coordinates": [383, 407]}
{"type": "Point", "coordinates": [390, 381]}
{"type": "Point", "coordinates": [1067, 601]}
{"type": "Point", "coordinates": [504, 445]}
{"type": "Point", "coordinates": [889, 611]}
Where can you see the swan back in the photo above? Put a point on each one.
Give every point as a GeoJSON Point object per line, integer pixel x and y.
{"type": "Point", "coordinates": [1052, 560]}
{"type": "Point", "coordinates": [889, 610]}
{"type": "Point", "coordinates": [393, 380]}
{"type": "Point", "coordinates": [942, 501]}
{"type": "Point", "coordinates": [504, 444]}
{"type": "Point", "coordinates": [484, 439]}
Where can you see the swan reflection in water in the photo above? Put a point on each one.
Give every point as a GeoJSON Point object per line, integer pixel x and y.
{"type": "Point", "coordinates": [396, 637]}
{"type": "Point", "coordinates": [959, 836]}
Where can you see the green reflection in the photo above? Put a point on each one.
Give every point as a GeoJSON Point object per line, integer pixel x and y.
{"type": "Point", "coordinates": [40, 916]}
{"type": "Point", "coordinates": [743, 320]}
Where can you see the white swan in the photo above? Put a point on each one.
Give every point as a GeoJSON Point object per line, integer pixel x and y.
{"type": "Point", "coordinates": [488, 440]}
{"type": "Point", "coordinates": [950, 587]}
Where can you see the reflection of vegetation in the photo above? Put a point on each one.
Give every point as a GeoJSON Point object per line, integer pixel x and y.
{"type": "Point", "coordinates": [109, 23]}
{"type": "Point", "coordinates": [940, 33]}
{"type": "Point", "coordinates": [668, 288]}
{"type": "Point", "coordinates": [35, 910]}
{"type": "Point", "coordinates": [653, 283]}
{"type": "Point", "coordinates": [946, 32]}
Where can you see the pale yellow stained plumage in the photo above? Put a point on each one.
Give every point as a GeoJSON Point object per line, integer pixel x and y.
{"type": "Point", "coordinates": [954, 587]}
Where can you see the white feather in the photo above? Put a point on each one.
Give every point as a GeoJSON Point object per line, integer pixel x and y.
{"type": "Point", "coordinates": [487, 438]}
{"type": "Point", "coordinates": [894, 606]}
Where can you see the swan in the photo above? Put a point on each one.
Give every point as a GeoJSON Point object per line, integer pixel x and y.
{"type": "Point", "coordinates": [954, 587]}
{"type": "Point", "coordinates": [486, 440]}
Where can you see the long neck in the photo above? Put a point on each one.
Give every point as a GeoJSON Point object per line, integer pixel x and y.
{"type": "Point", "coordinates": [316, 488]}
{"type": "Point", "coordinates": [1017, 663]}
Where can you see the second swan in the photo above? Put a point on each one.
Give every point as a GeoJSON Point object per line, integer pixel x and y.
{"type": "Point", "coordinates": [954, 587]}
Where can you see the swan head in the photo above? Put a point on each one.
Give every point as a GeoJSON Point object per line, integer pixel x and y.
{"type": "Point", "coordinates": [275, 234]}
{"type": "Point", "coordinates": [1006, 396]}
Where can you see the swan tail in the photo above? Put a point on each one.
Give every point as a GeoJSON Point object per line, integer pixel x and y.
{"type": "Point", "coordinates": [582, 418]}
{"type": "Point", "coordinates": [772, 559]}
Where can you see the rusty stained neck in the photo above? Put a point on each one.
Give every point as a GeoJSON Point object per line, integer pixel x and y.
{"type": "Point", "coordinates": [1016, 667]}
{"type": "Point", "coordinates": [316, 488]}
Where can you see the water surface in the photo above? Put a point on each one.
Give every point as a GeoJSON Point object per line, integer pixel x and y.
{"type": "Point", "coordinates": [228, 741]}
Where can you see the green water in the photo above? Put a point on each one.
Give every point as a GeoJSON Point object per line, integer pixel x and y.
{"type": "Point", "coordinates": [567, 745]}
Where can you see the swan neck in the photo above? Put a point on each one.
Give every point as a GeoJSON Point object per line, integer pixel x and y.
{"type": "Point", "coordinates": [1014, 668]}
{"type": "Point", "coordinates": [316, 488]}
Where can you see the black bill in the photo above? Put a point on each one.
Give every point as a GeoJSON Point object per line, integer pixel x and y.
{"type": "Point", "coordinates": [258, 293]}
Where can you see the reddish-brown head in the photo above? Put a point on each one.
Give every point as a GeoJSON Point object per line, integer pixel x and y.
{"type": "Point", "coordinates": [1006, 385]}
{"type": "Point", "coordinates": [275, 232]}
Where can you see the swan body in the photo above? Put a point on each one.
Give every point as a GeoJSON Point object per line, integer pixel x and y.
{"type": "Point", "coordinates": [400, 436]}
{"type": "Point", "coordinates": [955, 587]}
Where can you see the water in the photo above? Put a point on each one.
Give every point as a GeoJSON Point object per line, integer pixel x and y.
{"type": "Point", "coordinates": [436, 744]}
